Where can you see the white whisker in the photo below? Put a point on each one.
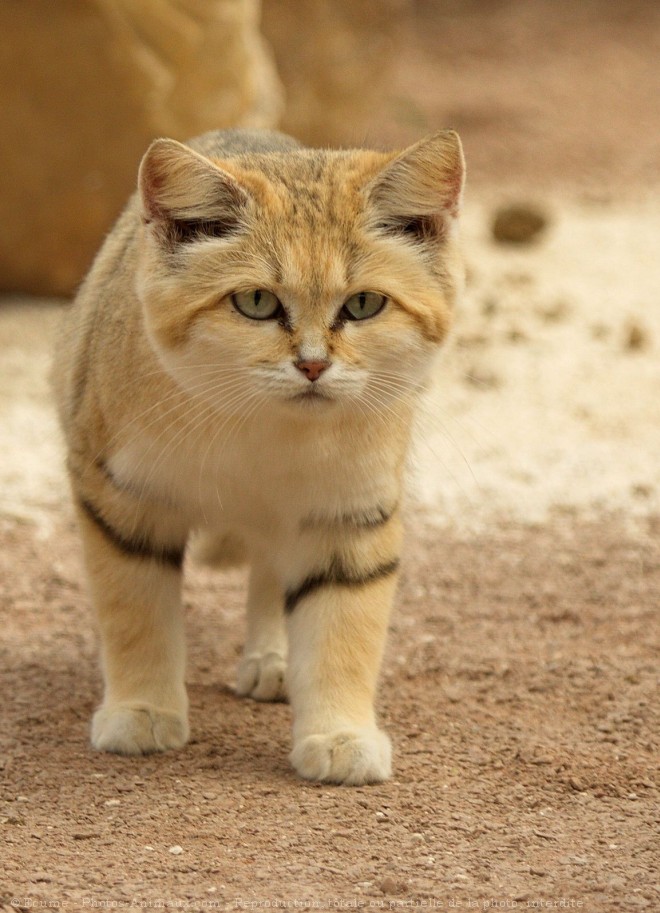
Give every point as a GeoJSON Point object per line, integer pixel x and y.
{"type": "Point", "coordinates": [177, 397]}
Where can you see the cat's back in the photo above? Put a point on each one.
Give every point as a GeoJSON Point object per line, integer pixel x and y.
{"type": "Point", "coordinates": [229, 143]}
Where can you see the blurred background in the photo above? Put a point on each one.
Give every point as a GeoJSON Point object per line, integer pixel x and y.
{"type": "Point", "coordinates": [546, 94]}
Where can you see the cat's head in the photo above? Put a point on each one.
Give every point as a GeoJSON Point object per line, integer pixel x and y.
{"type": "Point", "coordinates": [303, 279]}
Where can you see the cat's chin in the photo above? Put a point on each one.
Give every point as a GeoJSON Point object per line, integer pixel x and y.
{"type": "Point", "coordinates": [311, 401]}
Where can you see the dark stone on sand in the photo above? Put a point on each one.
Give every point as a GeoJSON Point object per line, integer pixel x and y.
{"type": "Point", "coordinates": [518, 223]}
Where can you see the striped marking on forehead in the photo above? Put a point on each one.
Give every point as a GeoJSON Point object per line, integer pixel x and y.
{"type": "Point", "coordinates": [317, 249]}
{"type": "Point", "coordinates": [309, 183]}
{"type": "Point", "coordinates": [314, 269]}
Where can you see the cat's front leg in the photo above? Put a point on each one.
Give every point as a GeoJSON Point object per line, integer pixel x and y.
{"type": "Point", "coordinates": [337, 619]}
{"type": "Point", "coordinates": [262, 668]}
{"type": "Point", "coordinates": [136, 592]}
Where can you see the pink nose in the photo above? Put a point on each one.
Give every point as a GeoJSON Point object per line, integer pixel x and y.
{"type": "Point", "coordinates": [312, 369]}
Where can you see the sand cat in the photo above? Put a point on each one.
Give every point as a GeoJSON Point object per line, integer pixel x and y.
{"type": "Point", "coordinates": [244, 359]}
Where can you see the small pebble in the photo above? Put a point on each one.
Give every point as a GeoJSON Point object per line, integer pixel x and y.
{"type": "Point", "coordinates": [516, 335]}
{"type": "Point", "coordinates": [559, 311]}
{"type": "Point", "coordinates": [519, 223]}
{"type": "Point", "coordinates": [176, 850]}
{"type": "Point", "coordinates": [636, 337]}
{"type": "Point", "coordinates": [112, 803]}
{"type": "Point", "coordinates": [390, 885]}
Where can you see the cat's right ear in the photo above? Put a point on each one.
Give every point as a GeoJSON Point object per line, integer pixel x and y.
{"type": "Point", "coordinates": [185, 195]}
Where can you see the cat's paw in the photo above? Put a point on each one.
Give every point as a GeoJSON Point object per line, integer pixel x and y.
{"type": "Point", "coordinates": [137, 729]}
{"type": "Point", "coordinates": [262, 677]}
{"type": "Point", "coordinates": [351, 756]}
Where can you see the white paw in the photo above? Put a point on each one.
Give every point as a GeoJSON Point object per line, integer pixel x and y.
{"type": "Point", "coordinates": [137, 729]}
{"type": "Point", "coordinates": [351, 756]}
{"type": "Point", "coordinates": [262, 677]}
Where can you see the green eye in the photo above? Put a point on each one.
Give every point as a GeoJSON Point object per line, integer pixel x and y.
{"type": "Point", "coordinates": [257, 304]}
{"type": "Point", "coordinates": [363, 305]}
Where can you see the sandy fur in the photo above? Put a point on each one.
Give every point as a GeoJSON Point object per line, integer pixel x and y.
{"type": "Point", "coordinates": [182, 415]}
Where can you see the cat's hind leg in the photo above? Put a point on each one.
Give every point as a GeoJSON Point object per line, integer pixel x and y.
{"type": "Point", "coordinates": [262, 669]}
{"type": "Point", "coordinates": [136, 591]}
{"type": "Point", "coordinates": [263, 665]}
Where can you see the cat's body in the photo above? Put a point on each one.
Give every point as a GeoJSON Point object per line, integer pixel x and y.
{"type": "Point", "coordinates": [244, 359]}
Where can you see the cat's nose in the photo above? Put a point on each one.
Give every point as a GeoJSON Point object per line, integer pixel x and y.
{"type": "Point", "coordinates": [312, 369]}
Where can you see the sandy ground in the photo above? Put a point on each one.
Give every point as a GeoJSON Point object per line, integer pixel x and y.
{"type": "Point", "coordinates": [520, 685]}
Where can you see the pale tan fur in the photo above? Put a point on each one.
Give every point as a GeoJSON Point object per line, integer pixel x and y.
{"type": "Point", "coordinates": [183, 415]}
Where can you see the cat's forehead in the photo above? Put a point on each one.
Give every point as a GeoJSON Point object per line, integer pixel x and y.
{"type": "Point", "coordinates": [311, 187]}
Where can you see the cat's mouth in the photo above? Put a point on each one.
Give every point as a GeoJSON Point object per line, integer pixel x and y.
{"type": "Point", "coordinates": [311, 395]}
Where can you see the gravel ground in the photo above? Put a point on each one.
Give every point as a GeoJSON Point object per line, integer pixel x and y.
{"type": "Point", "coordinates": [520, 690]}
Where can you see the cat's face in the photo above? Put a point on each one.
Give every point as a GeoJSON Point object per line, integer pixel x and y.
{"type": "Point", "coordinates": [307, 280]}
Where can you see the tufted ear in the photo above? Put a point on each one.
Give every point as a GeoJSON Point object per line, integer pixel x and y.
{"type": "Point", "coordinates": [419, 193]}
{"type": "Point", "coordinates": [187, 195]}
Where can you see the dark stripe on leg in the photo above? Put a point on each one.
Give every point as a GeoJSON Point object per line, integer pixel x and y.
{"type": "Point", "coordinates": [336, 576]}
{"type": "Point", "coordinates": [134, 548]}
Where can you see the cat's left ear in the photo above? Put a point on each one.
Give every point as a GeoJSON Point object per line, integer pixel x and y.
{"type": "Point", "coordinates": [187, 193]}
{"type": "Point", "coordinates": [419, 193]}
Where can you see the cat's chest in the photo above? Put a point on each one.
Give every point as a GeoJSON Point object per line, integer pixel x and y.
{"type": "Point", "coordinates": [264, 478]}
